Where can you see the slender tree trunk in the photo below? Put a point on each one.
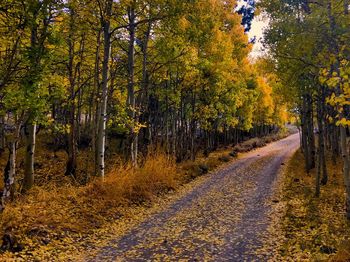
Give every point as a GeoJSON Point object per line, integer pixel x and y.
{"type": "Point", "coordinates": [346, 167]}
{"type": "Point", "coordinates": [166, 121]}
{"type": "Point", "coordinates": [101, 136]}
{"type": "Point", "coordinates": [335, 143]}
{"type": "Point", "coordinates": [173, 133]}
{"type": "Point", "coordinates": [80, 91]}
{"type": "Point", "coordinates": [28, 181]}
{"type": "Point", "coordinates": [9, 176]}
{"type": "Point", "coordinates": [131, 85]}
{"type": "Point", "coordinates": [79, 114]}
{"type": "Point", "coordinates": [2, 134]}
{"type": "Point", "coordinates": [310, 132]}
{"type": "Point", "coordinates": [301, 140]}
{"type": "Point", "coordinates": [71, 164]}
{"type": "Point", "coordinates": [143, 101]}
{"type": "Point", "coordinates": [193, 128]}
{"type": "Point", "coordinates": [322, 146]}
{"type": "Point", "coordinates": [10, 169]}
{"type": "Point", "coordinates": [95, 100]}
{"type": "Point", "coordinates": [346, 7]}
{"type": "Point", "coordinates": [305, 136]}
{"type": "Point", "coordinates": [321, 167]}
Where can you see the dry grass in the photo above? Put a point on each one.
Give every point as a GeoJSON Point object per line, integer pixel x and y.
{"type": "Point", "coordinates": [51, 212]}
{"type": "Point", "coordinates": [315, 229]}
{"type": "Point", "coordinates": [189, 170]}
{"type": "Point", "coordinates": [202, 165]}
{"type": "Point", "coordinates": [257, 142]}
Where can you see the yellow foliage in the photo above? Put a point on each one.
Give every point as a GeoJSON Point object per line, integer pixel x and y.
{"type": "Point", "coordinates": [184, 23]}
{"type": "Point", "coordinates": [343, 122]}
{"type": "Point", "coordinates": [265, 105]}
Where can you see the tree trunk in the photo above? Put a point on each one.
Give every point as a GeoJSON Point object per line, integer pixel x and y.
{"type": "Point", "coordinates": [71, 164]}
{"type": "Point", "coordinates": [29, 158]}
{"type": "Point", "coordinates": [346, 166]}
{"type": "Point", "coordinates": [9, 176]}
{"type": "Point", "coordinates": [2, 134]}
{"type": "Point", "coordinates": [321, 167]}
{"type": "Point", "coordinates": [322, 146]}
{"type": "Point", "coordinates": [101, 136]}
{"type": "Point", "coordinates": [72, 144]}
{"type": "Point", "coordinates": [193, 128]}
{"type": "Point", "coordinates": [80, 91]}
{"type": "Point", "coordinates": [305, 135]}
{"type": "Point", "coordinates": [131, 85]}
{"type": "Point", "coordinates": [310, 133]}
{"type": "Point", "coordinates": [95, 100]}
{"type": "Point", "coordinates": [346, 7]}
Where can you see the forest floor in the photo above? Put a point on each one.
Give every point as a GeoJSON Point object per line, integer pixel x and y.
{"type": "Point", "coordinates": [307, 228]}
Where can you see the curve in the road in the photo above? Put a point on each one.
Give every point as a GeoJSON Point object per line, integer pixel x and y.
{"type": "Point", "coordinates": [222, 219]}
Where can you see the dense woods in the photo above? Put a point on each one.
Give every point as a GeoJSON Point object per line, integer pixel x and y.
{"type": "Point", "coordinates": [106, 105]}
{"type": "Point", "coordinates": [127, 78]}
{"type": "Point", "coordinates": [308, 44]}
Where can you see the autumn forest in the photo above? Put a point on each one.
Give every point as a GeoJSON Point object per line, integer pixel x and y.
{"type": "Point", "coordinates": [166, 130]}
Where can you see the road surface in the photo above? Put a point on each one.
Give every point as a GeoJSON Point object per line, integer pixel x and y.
{"type": "Point", "coordinates": [221, 219]}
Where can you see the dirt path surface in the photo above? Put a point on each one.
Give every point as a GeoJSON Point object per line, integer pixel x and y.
{"type": "Point", "coordinates": [223, 218]}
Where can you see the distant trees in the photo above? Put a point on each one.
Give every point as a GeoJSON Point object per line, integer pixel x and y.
{"type": "Point", "coordinates": [309, 42]}
{"type": "Point", "coordinates": [167, 74]}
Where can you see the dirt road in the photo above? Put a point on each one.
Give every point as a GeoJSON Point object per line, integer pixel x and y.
{"type": "Point", "coordinates": [221, 219]}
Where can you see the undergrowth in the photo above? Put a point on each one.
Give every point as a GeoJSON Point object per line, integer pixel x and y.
{"type": "Point", "coordinates": [315, 229]}
{"type": "Point", "coordinates": [51, 212]}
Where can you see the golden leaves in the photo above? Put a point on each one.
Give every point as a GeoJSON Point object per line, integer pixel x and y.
{"type": "Point", "coordinates": [312, 229]}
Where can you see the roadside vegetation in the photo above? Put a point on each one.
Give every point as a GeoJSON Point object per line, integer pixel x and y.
{"type": "Point", "coordinates": [313, 229]}
{"type": "Point", "coordinates": [309, 52]}
{"type": "Point", "coordinates": [310, 55]}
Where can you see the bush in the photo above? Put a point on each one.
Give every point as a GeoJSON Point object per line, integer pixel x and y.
{"type": "Point", "coordinates": [257, 142]}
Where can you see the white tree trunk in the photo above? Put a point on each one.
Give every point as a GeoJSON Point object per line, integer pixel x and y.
{"type": "Point", "coordinates": [101, 136]}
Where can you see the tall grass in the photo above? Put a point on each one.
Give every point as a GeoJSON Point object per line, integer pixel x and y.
{"type": "Point", "coordinates": [47, 211]}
